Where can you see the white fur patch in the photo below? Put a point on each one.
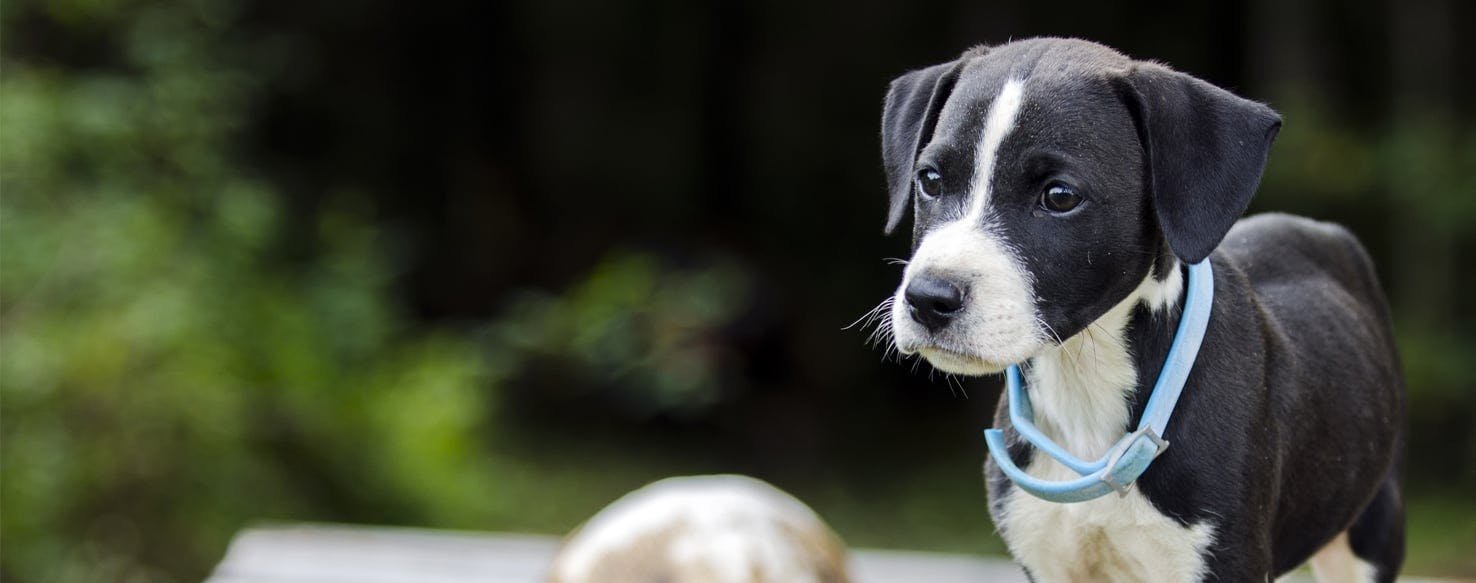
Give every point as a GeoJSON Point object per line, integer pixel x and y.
{"type": "Point", "coordinates": [998, 325]}
{"type": "Point", "coordinates": [1159, 295]}
{"type": "Point", "coordinates": [1336, 563]}
{"type": "Point", "coordinates": [706, 528]}
{"type": "Point", "coordinates": [1079, 393]}
{"type": "Point", "coordinates": [997, 126]}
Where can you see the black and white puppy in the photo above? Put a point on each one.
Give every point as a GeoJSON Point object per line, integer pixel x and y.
{"type": "Point", "coordinates": [1058, 189]}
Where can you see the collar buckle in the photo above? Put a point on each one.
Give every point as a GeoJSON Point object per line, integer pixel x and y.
{"type": "Point", "coordinates": [1125, 446]}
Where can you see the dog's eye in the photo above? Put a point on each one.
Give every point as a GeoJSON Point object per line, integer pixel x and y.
{"type": "Point", "coordinates": [930, 182]}
{"type": "Point", "coordinates": [1059, 198]}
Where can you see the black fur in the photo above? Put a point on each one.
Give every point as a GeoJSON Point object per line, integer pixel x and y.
{"type": "Point", "coordinates": [1290, 429]}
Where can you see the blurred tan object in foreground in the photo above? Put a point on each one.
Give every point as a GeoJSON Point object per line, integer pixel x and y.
{"type": "Point", "coordinates": [719, 529]}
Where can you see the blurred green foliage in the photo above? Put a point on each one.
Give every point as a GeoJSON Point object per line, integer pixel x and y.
{"type": "Point", "coordinates": [171, 371]}
{"type": "Point", "coordinates": [167, 377]}
{"type": "Point", "coordinates": [164, 377]}
{"type": "Point", "coordinates": [634, 324]}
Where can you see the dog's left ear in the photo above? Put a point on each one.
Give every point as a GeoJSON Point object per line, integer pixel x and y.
{"type": "Point", "coordinates": [1205, 149]}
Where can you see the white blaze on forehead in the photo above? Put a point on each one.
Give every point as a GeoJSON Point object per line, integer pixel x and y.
{"type": "Point", "coordinates": [997, 126]}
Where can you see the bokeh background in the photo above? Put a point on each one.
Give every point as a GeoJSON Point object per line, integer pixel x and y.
{"type": "Point", "coordinates": [489, 265]}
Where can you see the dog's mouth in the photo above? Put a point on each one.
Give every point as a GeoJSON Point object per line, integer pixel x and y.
{"type": "Point", "coordinates": [955, 362]}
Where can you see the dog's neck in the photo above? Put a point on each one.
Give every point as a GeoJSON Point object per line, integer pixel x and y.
{"type": "Point", "coordinates": [1082, 389]}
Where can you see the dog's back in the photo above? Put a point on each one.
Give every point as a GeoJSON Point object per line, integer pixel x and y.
{"type": "Point", "coordinates": [1317, 289]}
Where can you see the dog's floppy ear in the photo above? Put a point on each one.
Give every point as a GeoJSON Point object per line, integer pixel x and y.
{"type": "Point", "coordinates": [908, 118]}
{"type": "Point", "coordinates": [1205, 149]}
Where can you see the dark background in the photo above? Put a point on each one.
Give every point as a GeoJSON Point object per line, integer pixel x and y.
{"type": "Point", "coordinates": [489, 265]}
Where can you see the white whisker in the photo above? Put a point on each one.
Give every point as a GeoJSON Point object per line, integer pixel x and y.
{"type": "Point", "coordinates": [871, 314]}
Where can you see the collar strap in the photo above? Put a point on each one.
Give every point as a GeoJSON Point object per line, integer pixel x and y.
{"type": "Point", "coordinates": [1130, 456]}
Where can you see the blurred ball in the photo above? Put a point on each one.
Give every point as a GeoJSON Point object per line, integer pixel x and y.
{"type": "Point", "coordinates": [719, 529]}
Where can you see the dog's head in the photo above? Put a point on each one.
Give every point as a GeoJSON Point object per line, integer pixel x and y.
{"type": "Point", "coordinates": [1049, 180]}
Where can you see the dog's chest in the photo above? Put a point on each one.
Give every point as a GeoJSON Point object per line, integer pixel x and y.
{"type": "Point", "coordinates": [1108, 539]}
{"type": "Point", "coordinates": [1079, 392]}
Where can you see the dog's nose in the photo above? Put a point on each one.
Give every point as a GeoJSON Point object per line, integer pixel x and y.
{"type": "Point", "coordinates": [933, 301]}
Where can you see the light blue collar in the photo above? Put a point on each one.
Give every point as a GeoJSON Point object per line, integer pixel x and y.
{"type": "Point", "coordinates": [1131, 455]}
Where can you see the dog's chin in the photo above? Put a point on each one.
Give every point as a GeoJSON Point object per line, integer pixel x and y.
{"type": "Point", "coordinates": [958, 363]}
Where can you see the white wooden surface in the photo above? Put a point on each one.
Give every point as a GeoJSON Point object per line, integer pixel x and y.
{"type": "Point", "coordinates": [343, 554]}
{"type": "Point", "coordinates": [323, 553]}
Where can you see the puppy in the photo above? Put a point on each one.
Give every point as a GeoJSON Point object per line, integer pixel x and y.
{"type": "Point", "coordinates": [1059, 190]}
